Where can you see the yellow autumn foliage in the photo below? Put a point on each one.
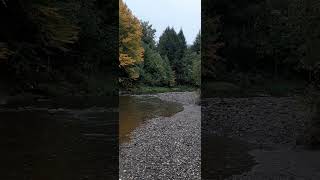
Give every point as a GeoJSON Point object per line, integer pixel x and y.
{"type": "Point", "coordinates": [58, 30]}
{"type": "Point", "coordinates": [130, 33]}
{"type": "Point", "coordinates": [5, 52]}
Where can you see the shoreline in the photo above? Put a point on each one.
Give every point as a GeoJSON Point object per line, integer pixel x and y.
{"type": "Point", "coordinates": [271, 125]}
{"type": "Point", "coordinates": [165, 147]}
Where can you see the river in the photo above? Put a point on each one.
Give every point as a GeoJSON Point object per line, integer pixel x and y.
{"type": "Point", "coordinates": [61, 139]}
{"type": "Point", "coordinates": [71, 137]}
{"type": "Point", "coordinates": [135, 110]}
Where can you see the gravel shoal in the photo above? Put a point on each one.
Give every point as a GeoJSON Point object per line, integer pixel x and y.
{"type": "Point", "coordinates": [265, 121]}
{"type": "Point", "coordinates": [272, 125]}
{"type": "Point", "coordinates": [166, 147]}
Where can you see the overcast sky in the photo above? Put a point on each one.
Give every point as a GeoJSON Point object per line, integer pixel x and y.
{"type": "Point", "coordinates": [185, 14]}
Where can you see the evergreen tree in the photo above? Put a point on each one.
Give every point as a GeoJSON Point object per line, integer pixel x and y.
{"type": "Point", "coordinates": [182, 45]}
{"type": "Point", "coordinates": [156, 70]}
{"type": "Point", "coordinates": [174, 46]}
{"type": "Point", "coordinates": [196, 46]}
{"type": "Point", "coordinates": [148, 34]}
{"type": "Point", "coordinates": [169, 45]}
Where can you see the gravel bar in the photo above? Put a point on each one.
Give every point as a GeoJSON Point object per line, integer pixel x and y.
{"type": "Point", "coordinates": [272, 125]}
{"type": "Point", "coordinates": [166, 147]}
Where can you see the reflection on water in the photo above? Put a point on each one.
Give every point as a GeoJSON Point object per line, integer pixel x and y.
{"type": "Point", "coordinates": [46, 143]}
{"type": "Point", "coordinates": [135, 110]}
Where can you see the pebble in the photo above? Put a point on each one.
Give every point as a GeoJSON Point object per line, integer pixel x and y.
{"type": "Point", "coordinates": [166, 147]}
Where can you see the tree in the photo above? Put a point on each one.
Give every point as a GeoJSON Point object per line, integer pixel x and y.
{"type": "Point", "coordinates": [168, 45]}
{"type": "Point", "coordinates": [196, 63]}
{"type": "Point", "coordinates": [130, 43]}
{"type": "Point", "coordinates": [196, 46]}
{"type": "Point", "coordinates": [196, 70]}
{"type": "Point", "coordinates": [174, 46]}
{"type": "Point", "coordinates": [182, 45]}
{"type": "Point", "coordinates": [148, 35]}
{"type": "Point", "coordinates": [156, 70]}
{"type": "Point", "coordinates": [188, 68]}
{"type": "Point", "coordinates": [214, 63]}
{"type": "Point", "coordinates": [311, 18]}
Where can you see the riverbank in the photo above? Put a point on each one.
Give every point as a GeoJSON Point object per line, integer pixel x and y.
{"type": "Point", "coordinates": [166, 147]}
{"type": "Point", "coordinates": [271, 127]}
{"type": "Point", "coordinates": [144, 89]}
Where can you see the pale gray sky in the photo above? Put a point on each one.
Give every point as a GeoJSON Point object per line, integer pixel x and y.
{"type": "Point", "coordinates": [185, 14]}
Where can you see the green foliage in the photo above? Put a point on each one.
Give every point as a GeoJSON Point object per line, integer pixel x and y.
{"type": "Point", "coordinates": [49, 41]}
{"type": "Point", "coordinates": [156, 70]}
{"type": "Point", "coordinates": [168, 45]}
{"type": "Point", "coordinates": [148, 35]}
{"type": "Point", "coordinates": [187, 62]}
{"type": "Point", "coordinates": [196, 46]}
{"type": "Point", "coordinates": [144, 89]}
{"type": "Point", "coordinates": [174, 46]}
{"type": "Point", "coordinates": [182, 46]}
{"type": "Point", "coordinates": [196, 70]}
{"type": "Point", "coordinates": [268, 37]}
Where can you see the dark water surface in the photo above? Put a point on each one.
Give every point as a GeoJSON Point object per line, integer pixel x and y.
{"type": "Point", "coordinates": [135, 110]}
{"type": "Point", "coordinates": [65, 139]}
{"type": "Point", "coordinates": [223, 157]}
{"type": "Point", "coordinates": [70, 138]}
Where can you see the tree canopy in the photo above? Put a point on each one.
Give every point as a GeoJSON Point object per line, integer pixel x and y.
{"type": "Point", "coordinates": [130, 34]}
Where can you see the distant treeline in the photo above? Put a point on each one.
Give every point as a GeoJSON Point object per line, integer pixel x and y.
{"type": "Point", "coordinates": [261, 39]}
{"type": "Point", "coordinates": [169, 62]}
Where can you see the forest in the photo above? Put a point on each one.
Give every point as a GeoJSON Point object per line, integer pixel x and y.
{"type": "Point", "coordinates": [58, 47]}
{"type": "Point", "coordinates": [254, 43]}
{"type": "Point", "coordinates": [145, 62]}
{"type": "Point", "coordinates": [263, 48]}
{"type": "Point", "coordinates": [69, 47]}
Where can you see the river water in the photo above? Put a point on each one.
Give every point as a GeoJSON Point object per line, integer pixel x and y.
{"type": "Point", "coordinates": [61, 139]}
{"type": "Point", "coordinates": [78, 138]}
{"type": "Point", "coordinates": [134, 111]}
{"type": "Point", "coordinates": [71, 138]}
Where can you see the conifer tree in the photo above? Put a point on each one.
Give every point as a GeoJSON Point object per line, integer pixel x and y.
{"type": "Point", "coordinates": [196, 46]}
